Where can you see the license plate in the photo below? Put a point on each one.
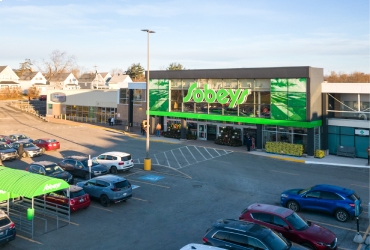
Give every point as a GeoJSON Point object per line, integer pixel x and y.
{"type": "Point", "coordinates": [81, 200]}
{"type": "Point", "coordinates": [124, 194]}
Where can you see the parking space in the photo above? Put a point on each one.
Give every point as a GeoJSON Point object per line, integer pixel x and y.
{"type": "Point", "coordinates": [187, 189]}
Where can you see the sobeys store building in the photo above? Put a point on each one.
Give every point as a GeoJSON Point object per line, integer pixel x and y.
{"type": "Point", "coordinates": [281, 104]}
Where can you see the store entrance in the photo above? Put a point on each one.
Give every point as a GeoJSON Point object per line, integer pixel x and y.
{"type": "Point", "coordinates": [202, 132]}
{"type": "Point", "coordinates": [211, 132]}
{"type": "Point", "coordinates": [252, 133]}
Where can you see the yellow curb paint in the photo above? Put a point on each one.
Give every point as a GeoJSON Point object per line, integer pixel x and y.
{"type": "Point", "coordinates": [31, 240]}
{"type": "Point", "coordinates": [287, 159]}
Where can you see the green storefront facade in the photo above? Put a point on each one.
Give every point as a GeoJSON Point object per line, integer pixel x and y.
{"type": "Point", "coordinates": [271, 104]}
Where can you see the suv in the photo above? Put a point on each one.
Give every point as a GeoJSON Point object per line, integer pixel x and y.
{"type": "Point", "coordinates": [107, 188]}
{"type": "Point", "coordinates": [291, 226]}
{"type": "Point", "coordinates": [50, 169]}
{"type": "Point", "coordinates": [20, 138]}
{"type": "Point", "coordinates": [116, 161]}
{"type": "Point", "coordinates": [335, 200]}
{"type": "Point", "coordinates": [7, 152]}
{"type": "Point", "coordinates": [78, 167]}
{"type": "Point", "coordinates": [7, 229]}
{"type": "Point", "coordinates": [235, 234]}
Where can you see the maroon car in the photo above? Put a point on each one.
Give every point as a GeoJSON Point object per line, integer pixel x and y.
{"type": "Point", "coordinates": [47, 144]}
{"type": "Point", "coordinates": [291, 226]}
{"type": "Point", "coordinates": [6, 139]}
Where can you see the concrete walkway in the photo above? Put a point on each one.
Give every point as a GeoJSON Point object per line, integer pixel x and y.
{"type": "Point", "coordinates": [135, 133]}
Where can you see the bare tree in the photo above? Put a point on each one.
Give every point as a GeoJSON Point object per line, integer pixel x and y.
{"type": "Point", "coordinates": [77, 70]}
{"type": "Point", "coordinates": [117, 71]}
{"type": "Point", "coordinates": [25, 66]}
{"type": "Point", "coordinates": [33, 92]}
{"type": "Point", "coordinates": [59, 62]}
{"type": "Point", "coordinates": [354, 77]}
{"type": "Point", "coordinates": [175, 66]}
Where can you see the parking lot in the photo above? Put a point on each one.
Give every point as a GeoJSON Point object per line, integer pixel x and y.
{"type": "Point", "coordinates": [188, 188]}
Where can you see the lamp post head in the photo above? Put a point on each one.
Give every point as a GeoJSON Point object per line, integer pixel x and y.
{"type": "Point", "coordinates": [149, 31]}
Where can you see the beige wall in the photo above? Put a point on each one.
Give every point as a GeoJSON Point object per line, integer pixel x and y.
{"type": "Point", "coordinates": [89, 97]}
{"type": "Point", "coordinates": [138, 113]}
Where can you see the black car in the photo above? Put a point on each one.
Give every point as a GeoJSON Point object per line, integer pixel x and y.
{"type": "Point", "coordinates": [236, 234]}
{"type": "Point", "coordinates": [7, 152]}
{"type": "Point", "coordinates": [50, 169]}
{"type": "Point", "coordinates": [7, 229]}
{"type": "Point", "coordinates": [78, 167]}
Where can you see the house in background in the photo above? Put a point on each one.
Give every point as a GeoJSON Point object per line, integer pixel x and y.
{"type": "Point", "coordinates": [8, 78]}
{"type": "Point", "coordinates": [119, 81]}
{"type": "Point", "coordinates": [106, 76]}
{"type": "Point", "coordinates": [31, 78]}
{"type": "Point", "coordinates": [92, 81]}
{"type": "Point", "coordinates": [64, 81]}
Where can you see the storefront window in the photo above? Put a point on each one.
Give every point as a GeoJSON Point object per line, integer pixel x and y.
{"type": "Point", "coordinates": [201, 108]}
{"type": "Point", "coordinates": [176, 84]}
{"type": "Point", "coordinates": [262, 84]}
{"type": "Point", "coordinates": [189, 107]}
{"type": "Point", "coordinates": [176, 100]}
{"type": "Point", "coordinates": [215, 84]}
{"type": "Point", "coordinates": [246, 83]}
{"type": "Point", "coordinates": [215, 109]}
{"type": "Point", "coordinates": [230, 84]}
{"type": "Point", "coordinates": [138, 97]}
{"type": "Point", "coordinates": [186, 83]}
{"type": "Point", "coordinates": [124, 96]}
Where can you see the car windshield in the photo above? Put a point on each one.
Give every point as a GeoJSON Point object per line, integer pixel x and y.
{"type": "Point", "coordinates": [122, 184]}
{"type": "Point", "coordinates": [22, 137]}
{"type": "Point", "coordinates": [297, 222]}
{"type": "Point", "coordinates": [304, 190]}
{"type": "Point", "coordinates": [4, 146]}
{"type": "Point", "coordinates": [78, 193]}
{"type": "Point", "coordinates": [28, 145]}
{"type": "Point", "coordinates": [276, 241]}
{"type": "Point", "coordinates": [4, 221]}
{"type": "Point", "coordinates": [94, 163]}
{"type": "Point", "coordinates": [53, 169]}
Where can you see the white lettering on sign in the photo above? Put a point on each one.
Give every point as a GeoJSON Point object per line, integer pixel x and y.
{"type": "Point", "coordinates": [51, 186]}
{"type": "Point", "coordinates": [2, 192]}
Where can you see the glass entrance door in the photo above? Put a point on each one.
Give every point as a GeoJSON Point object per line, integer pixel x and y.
{"type": "Point", "coordinates": [202, 132]}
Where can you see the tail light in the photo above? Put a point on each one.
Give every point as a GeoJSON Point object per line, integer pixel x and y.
{"type": "Point", "coordinates": [121, 163]}
{"type": "Point", "coordinates": [72, 202]}
{"type": "Point", "coordinates": [352, 205]}
{"type": "Point", "coordinates": [205, 240]}
{"type": "Point", "coordinates": [49, 145]}
{"type": "Point", "coordinates": [12, 225]}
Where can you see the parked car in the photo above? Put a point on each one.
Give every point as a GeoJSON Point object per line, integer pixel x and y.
{"type": "Point", "coordinates": [78, 167]}
{"type": "Point", "coordinates": [6, 139]}
{"type": "Point", "coordinates": [291, 226]}
{"type": "Point", "coordinates": [116, 161]}
{"type": "Point", "coordinates": [195, 246]}
{"type": "Point", "coordinates": [7, 152]}
{"type": "Point", "coordinates": [42, 97]}
{"type": "Point", "coordinates": [19, 138]}
{"type": "Point", "coordinates": [30, 149]}
{"type": "Point", "coordinates": [47, 144]}
{"type": "Point", "coordinates": [7, 228]}
{"type": "Point", "coordinates": [236, 234]}
{"type": "Point", "coordinates": [107, 188]}
{"type": "Point", "coordinates": [50, 169]}
{"type": "Point", "coordinates": [77, 198]}
{"type": "Point", "coordinates": [330, 199]}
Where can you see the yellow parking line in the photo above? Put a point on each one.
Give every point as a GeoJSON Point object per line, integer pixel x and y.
{"type": "Point", "coordinates": [28, 239]}
{"type": "Point", "coordinates": [364, 237]}
{"type": "Point", "coordinates": [149, 183]}
{"type": "Point", "coordinates": [283, 172]}
{"type": "Point", "coordinates": [138, 199]}
{"type": "Point", "coordinates": [101, 208]}
{"type": "Point", "coordinates": [331, 225]}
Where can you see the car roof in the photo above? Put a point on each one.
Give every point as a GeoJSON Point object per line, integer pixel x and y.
{"type": "Point", "coordinates": [332, 188]}
{"type": "Point", "coordinates": [77, 157]}
{"type": "Point", "coordinates": [44, 163]}
{"type": "Point", "coordinates": [45, 139]}
{"type": "Point", "coordinates": [249, 228]}
{"type": "Point", "coordinates": [110, 178]}
{"type": "Point", "coordinates": [115, 153]}
{"type": "Point", "coordinates": [271, 209]}
{"type": "Point", "coordinates": [17, 134]}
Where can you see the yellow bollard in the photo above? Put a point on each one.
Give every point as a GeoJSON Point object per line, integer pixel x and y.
{"type": "Point", "coordinates": [147, 164]}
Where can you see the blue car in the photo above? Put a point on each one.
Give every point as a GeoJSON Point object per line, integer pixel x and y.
{"type": "Point", "coordinates": [335, 200]}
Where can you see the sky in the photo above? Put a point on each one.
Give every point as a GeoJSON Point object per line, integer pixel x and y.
{"type": "Point", "coordinates": [207, 34]}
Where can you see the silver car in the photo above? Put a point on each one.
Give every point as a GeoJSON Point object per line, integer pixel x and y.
{"type": "Point", "coordinates": [107, 188]}
{"type": "Point", "coordinates": [20, 138]}
{"type": "Point", "coordinates": [7, 152]}
{"type": "Point", "coordinates": [30, 149]}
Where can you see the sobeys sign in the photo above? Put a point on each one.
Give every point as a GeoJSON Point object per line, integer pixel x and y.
{"type": "Point", "coordinates": [223, 96]}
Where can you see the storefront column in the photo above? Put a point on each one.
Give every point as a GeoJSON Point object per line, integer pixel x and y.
{"type": "Point", "coordinates": [183, 129]}
{"type": "Point", "coordinates": [324, 139]}
{"type": "Point", "coordinates": [310, 141]}
{"type": "Point", "coordinates": [259, 136]}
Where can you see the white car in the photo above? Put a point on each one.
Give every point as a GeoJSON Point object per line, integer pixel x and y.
{"type": "Point", "coordinates": [116, 161]}
{"type": "Point", "coordinates": [193, 246]}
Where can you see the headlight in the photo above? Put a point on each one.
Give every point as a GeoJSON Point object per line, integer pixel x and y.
{"type": "Point", "coordinates": [284, 196]}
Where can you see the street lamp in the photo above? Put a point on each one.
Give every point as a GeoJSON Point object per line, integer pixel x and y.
{"type": "Point", "coordinates": [147, 160]}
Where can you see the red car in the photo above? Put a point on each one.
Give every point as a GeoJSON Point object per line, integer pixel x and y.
{"type": "Point", "coordinates": [291, 226]}
{"type": "Point", "coordinates": [47, 144]}
{"type": "Point", "coordinates": [6, 139]}
{"type": "Point", "coordinates": [78, 198]}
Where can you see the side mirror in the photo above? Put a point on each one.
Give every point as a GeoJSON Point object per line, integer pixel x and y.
{"type": "Point", "coordinates": [286, 228]}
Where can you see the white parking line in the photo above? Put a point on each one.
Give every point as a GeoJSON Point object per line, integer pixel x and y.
{"type": "Point", "coordinates": [176, 158]}
{"type": "Point", "coordinates": [200, 152]}
{"type": "Point", "coordinates": [137, 199]}
{"type": "Point", "coordinates": [183, 156]}
{"type": "Point", "coordinates": [167, 159]}
{"type": "Point", "coordinates": [101, 208]}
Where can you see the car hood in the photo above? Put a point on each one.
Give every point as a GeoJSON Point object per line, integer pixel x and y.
{"type": "Point", "coordinates": [60, 175]}
{"type": "Point", "coordinates": [293, 191]}
{"type": "Point", "coordinates": [99, 168]}
{"type": "Point", "coordinates": [31, 149]}
{"type": "Point", "coordinates": [9, 150]}
{"type": "Point", "coordinates": [320, 234]}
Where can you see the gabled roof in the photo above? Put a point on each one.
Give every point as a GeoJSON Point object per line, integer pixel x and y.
{"type": "Point", "coordinates": [87, 77]}
{"type": "Point", "coordinates": [103, 74]}
{"type": "Point", "coordinates": [27, 75]}
{"type": "Point", "coordinates": [118, 78]}
{"type": "Point", "coordinates": [2, 68]}
{"type": "Point", "coordinates": [59, 77]}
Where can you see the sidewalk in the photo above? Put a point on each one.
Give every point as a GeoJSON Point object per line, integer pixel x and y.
{"type": "Point", "coordinates": [135, 132]}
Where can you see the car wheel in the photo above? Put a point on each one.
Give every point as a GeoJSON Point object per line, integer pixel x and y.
{"type": "Point", "coordinates": [341, 215]}
{"type": "Point", "coordinates": [293, 205]}
{"type": "Point", "coordinates": [104, 201]}
{"type": "Point", "coordinates": [24, 154]}
{"type": "Point", "coordinates": [87, 176]}
{"type": "Point", "coordinates": [308, 245]}
{"type": "Point", "coordinates": [113, 170]}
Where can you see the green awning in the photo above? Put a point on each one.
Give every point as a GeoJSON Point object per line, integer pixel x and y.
{"type": "Point", "coordinates": [23, 183]}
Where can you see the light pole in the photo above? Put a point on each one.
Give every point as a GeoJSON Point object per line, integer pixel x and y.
{"type": "Point", "coordinates": [147, 160]}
